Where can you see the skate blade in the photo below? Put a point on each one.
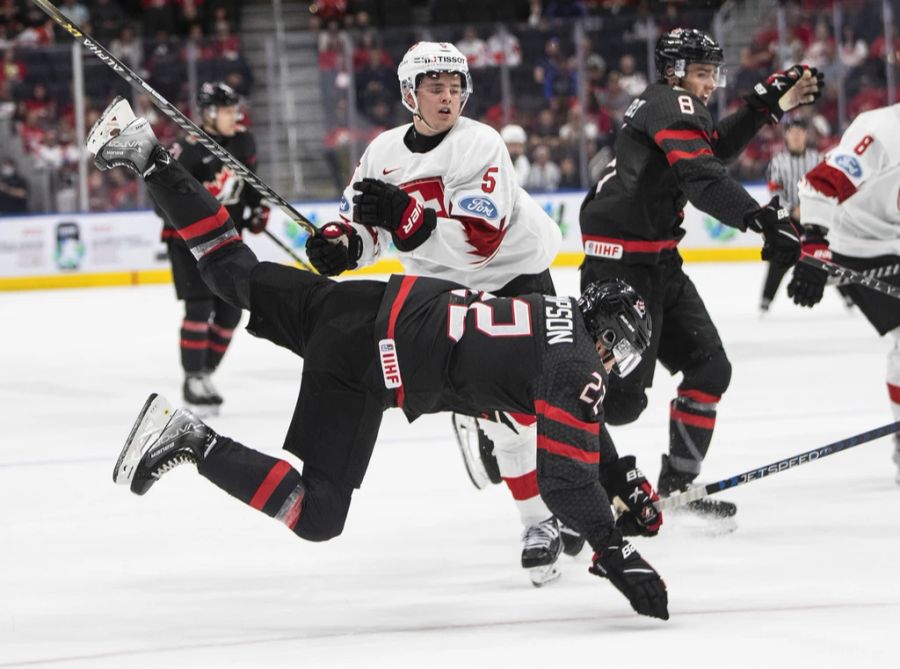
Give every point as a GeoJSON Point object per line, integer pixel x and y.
{"type": "Point", "coordinates": [541, 576]}
{"type": "Point", "coordinates": [117, 115]}
{"type": "Point", "coordinates": [466, 430]}
{"type": "Point", "coordinates": [151, 421]}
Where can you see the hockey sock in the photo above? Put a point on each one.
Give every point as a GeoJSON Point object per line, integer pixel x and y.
{"type": "Point", "coordinates": [221, 331]}
{"type": "Point", "coordinates": [267, 484]}
{"type": "Point", "coordinates": [199, 218]}
{"type": "Point", "coordinates": [692, 419]}
{"type": "Point", "coordinates": [195, 335]}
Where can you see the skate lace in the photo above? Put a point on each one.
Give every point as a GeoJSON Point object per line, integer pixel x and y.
{"type": "Point", "coordinates": [540, 535]}
{"type": "Point", "coordinates": [172, 462]}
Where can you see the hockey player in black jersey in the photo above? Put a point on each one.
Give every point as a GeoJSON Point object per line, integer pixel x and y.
{"type": "Point", "coordinates": [424, 345]}
{"type": "Point", "coordinates": [209, 322]}
{"type": "Point", "coordinates": [670, 152]}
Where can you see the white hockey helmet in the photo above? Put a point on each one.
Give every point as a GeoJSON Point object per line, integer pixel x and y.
{"type": "Point", "coordinates": [514, 134]}
{"type": "Point", "coordinates": [426, 57]}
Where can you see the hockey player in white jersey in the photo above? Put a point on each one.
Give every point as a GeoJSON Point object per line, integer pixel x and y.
{"type": "Point", "coordinates": [446, 187]}
{"type": "Point", "coordinates": [850, 208]}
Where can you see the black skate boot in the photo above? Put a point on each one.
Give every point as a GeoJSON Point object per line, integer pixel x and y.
{"type": "Point", "coordinates": [671, 480]}
{"type": "Point", "coordinates": [118, 139]}
{"type": "Point", "coordinates": [541, 546]}
{"type": "Point", "coordinates": [211, 391]}
{"type": "Point", "coordinates": [199, 395]}
{"type": "Point", "coordinates": [162, 438]}
{"type": "Point", "coordinates": [572, 541]}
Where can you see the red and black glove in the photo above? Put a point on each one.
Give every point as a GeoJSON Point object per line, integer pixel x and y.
{"type": "Point", "coordinates": [384, 205]}
{"type": "Point", "coordinates": [777, 94]}
{"type": "Point", "coordinates": [619, 561]}
{"type": "Point", "coordinates": [808, 283]}
{"type": "Point", "coordinates": [781, 236]}
{"type": "Point", "coordinates": [336, 248]}
{"type": "Point", "coordinates": [259, 218]}
{"type": "Point", "coordinates": [623, 480]}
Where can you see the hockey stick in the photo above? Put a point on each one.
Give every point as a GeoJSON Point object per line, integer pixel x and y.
{"type": "Point", "coordinates": [701, 491]}
{"type": "Point", "coordinates": [184, 123]}
{"type": "Point", "coordinates": [846, 275]}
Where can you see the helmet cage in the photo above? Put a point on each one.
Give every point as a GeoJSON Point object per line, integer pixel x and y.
{"type": "Point", "coordinates": [616, 317]}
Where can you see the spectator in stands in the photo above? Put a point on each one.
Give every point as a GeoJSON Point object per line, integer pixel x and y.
{"type": "Point", "coordinates": [631, 80]}
{"type": "Point", "coordinates": [40, 102]}
{"type": "Point", "coordinates": [613, 98]}
{"type": "Point", "coordinates": [157, 16]}
{"type": "Point", "coordinates": [569, 179]}
{"type": "Point", "coordinates": [544, 175]}
{"type": "Point", "coordinates": [749, 72]}
{"type": "Point", "coordinates": [107, 19]}
{"type": "Point", "coordinates": [375, 82]}
{"type": "Point", "coordinates": [515, 138]}
{"type": "Point", "coordinates": [364, 44]}
{"type": "Point", "coordinates": [473, 48]}
{"type": "Point", "coordinates": [167, 71]}
{"type": "Point", "coordinates": [852, 50]}
{"type": "Point", "coordinates": [127, 47]}
{"type": "Point", "coordinates": [504, 48]}
{"type": "Point", "coordinates": [10, 20]}
{"type": "Point", "coordinates": [37, 28]}
{"type": "Point", "coordinates": [76, 13]}
{"type": "Point", "coordinates": [564, 9]}
{"type": "Point", "coordinates": [54, 154]}
{"type": "Point", "coordinates": [545, 131]}
{"type": "Point", "coordinates": [576, 129]}
{"type": "Point", "coordinates": [13, 189]}
{"type": "Point", "coordinates": [12, 73]}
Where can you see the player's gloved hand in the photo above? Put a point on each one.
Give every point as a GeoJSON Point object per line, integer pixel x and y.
{"type": "Point", "coordinates": [782, 91]}
{"type": "Point", "coordinates": [383, 205]}
{"type": "Point", "coordinates": [808, 283]}
{"type": "Point", "coordinates": [781, 237]}
{"type": "Point", "coordinates": [259, 218]}
{"type": "Point", "coordinates": [336, 248]}
{"type": "Point", "coordinates": [623, 480]}
{"type": "Point", "coordinates": [620, 562]}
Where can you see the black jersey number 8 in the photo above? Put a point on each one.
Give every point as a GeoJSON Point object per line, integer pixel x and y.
{"type": "Point", "coordinates": [686, 104]}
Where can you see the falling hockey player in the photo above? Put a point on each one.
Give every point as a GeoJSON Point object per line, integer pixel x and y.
{"type": "Point", "coordinates": [850, 209]}
{"type": "Point", "coordinates": [669, 152]}
{"type": "Point", "coordinates": [466, 220]}
{"type": "Point", "coordinates": [424, 345]}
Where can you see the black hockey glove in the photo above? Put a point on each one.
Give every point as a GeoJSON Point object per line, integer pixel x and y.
{"type": "Point", "coordinates": [623, 480]}
{"type": "Point", "coordinates": [620, 562]}
{"type": "Point", "coordinates": [782, 91]}
{"type": "Point", "coordinates": [383, 205]}
{"type": "Point", "coordinates": [808, 283]}
{"type": "Point", "coordinates": [259, 219]}
{"type": "Point", "coordinates": [336, 248]}
{"type": "Point", "coordinates": [781, 237]}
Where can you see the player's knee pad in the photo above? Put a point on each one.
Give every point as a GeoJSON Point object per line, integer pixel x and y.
{"type": "Point", "coordinates": [227, 273]}
{"type": "Point", "coordinates": [198, 309]}
{"type": "Point", "coordinates": [621, 407]}
{"type": "Point", "coordinates": [325, 507]}
{"type": "Point", "coordinates": [711, 376]}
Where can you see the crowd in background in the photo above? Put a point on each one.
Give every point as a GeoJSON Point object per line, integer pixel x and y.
{"type": "Point", "coordinates": [557, 94]}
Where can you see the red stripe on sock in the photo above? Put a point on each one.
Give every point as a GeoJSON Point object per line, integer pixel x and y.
{"type": "Point", "coordinates": [204, 225]}
{"type": "Point", "coordinates": [693, 419]}
{"type": "Point", "coordinates": [523, 487]}
{"type": "Point", "coordinates": [699, 396]}
{"type": "Point", "coordinates": [267, 487]}
{"type": "Point", "coordinates": [194, 345]}
{"type": "Point", "coordinates": [218, 348]}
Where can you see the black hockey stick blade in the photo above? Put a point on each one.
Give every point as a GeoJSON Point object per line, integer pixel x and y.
{"type": "Point", "coordinates": [701, 491]}
{"type": "Point", "coordinates": [183, 122]}
{"type": "Point", "coordinates": [846, 275]}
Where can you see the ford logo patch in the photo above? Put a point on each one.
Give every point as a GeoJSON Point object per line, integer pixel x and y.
{"type": "Point", "coordinates": [850, 165]}
{"type": "Point", "coordinates": [480, 206]}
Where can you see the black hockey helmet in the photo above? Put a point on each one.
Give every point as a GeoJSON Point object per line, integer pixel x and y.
{"type": "Point", "coordinates": [217, 94]}
{"type": "Point", "coordinates": [615, 315]}
{"type": "Point", "coordinates": [680, 46]}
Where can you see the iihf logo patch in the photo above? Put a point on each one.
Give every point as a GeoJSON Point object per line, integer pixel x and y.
{"type": "Point", "coordinates": [850, 165]}
{"type": "Point", "coordinates": [345, 205]}
{"type": "Point", "coordinates": [640, 307]}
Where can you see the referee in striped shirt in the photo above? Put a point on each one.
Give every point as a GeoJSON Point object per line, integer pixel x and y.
{"type": "Point", "coordinates": [786, 170]}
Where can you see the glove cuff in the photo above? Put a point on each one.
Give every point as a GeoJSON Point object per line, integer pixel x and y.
{"type": "Point", "coordinates": [420, 232]}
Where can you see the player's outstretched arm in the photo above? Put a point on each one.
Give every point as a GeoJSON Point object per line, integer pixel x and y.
{"type": "Point", "coordinates": [629, 488]}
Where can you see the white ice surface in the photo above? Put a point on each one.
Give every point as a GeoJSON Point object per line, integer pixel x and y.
{"type": "Point", "coordinates": [426, 573]}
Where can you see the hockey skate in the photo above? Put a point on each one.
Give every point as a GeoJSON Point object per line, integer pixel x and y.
{"type": "Point", "coordinates": [118, 139]}
{"type": "Point", "coordinates": [477, 451]}
{"type": "Point", "coordinates": [717, 510]}
{"type": "Point", "coordinates": [162, 438]}
{"type": "Point", "coordinates": [200, 395]}
{"type": "Point", "coordinates": [541, 547]}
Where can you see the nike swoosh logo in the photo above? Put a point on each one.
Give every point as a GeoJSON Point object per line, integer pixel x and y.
{"type": "Point", "coordinates": [386, 171]}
